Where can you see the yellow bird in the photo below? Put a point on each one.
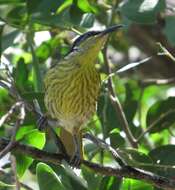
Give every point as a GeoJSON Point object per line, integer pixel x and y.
{"type": "Point", "coordinates": [72, 88]}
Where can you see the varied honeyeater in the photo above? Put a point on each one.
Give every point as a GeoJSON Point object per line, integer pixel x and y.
{"type": "Point", "coordinates": [72, 88]}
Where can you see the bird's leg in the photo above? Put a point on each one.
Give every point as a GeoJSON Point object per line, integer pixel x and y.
{"type": "Point", "coordinates": [58, 142]}
{"type": "Point", "coordinates": [42, 122]}
{"type": "Point", "coordinates": [102, 144]}
{"type": "Point", "coordinates": [76, 158]}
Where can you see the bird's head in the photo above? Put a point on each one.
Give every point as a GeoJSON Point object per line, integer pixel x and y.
{"type": "Point", "coordinates": [90, 43]}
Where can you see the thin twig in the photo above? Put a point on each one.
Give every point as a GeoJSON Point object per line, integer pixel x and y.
{"type": "Point", "coordinates": [4, 118]}
{"type": "Point", "coordinates": [19, 121]}
{"type": "Point", "coordinates": [126, 171]}
{"type": "Point", "coordinates": [148, 82]}
{"type": "Point", "coordinates": [25, 186]}
{"type": "Point", "coordinates": [116, 104]}
{"type": "Point", "coordinates": [113, 96]}
{"type": "Point", "coordinates": [101, 143]}
{"type": "Point", "coordinates": [13, 166]}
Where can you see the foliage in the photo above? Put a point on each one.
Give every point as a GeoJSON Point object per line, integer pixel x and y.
{"type": "Point", "coordinates": [150, 107]}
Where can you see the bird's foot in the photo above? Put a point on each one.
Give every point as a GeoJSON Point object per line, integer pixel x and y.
{"type": "Point", "coordinates": [42, 122]}
{"type": "Point", "coordinates": [75, 160]}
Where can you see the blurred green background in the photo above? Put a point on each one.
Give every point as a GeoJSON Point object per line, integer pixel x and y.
{"type": "Point", "coordinates": [36, 34]}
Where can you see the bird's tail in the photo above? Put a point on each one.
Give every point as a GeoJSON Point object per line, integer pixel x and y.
{"type": "Point", "coordinates": [68, 142]}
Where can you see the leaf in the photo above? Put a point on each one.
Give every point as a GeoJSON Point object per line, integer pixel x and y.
{"type": "Point", "coordinates": [116, 140]}
{"type": "Point", "coordinates": [161, 114]}
{"type": "Point", "coordinates": [93, 179]}
{"type": "Point", "coordinates": [23, 130]}
{"type": "Point", "coordinates": [8, 39]}
{"type": "Point", "coordinates": [47, 178]}
{"type": "Point", "coordinates": [135, 185]}
{"type": "Point", "coordinates": [18, 16]}
{"type": "Point", "coordinates": [163, 158]}
{"type": "Point", "coordinates": [110, 183]}
{"type": "Point", "coordinates": [107, 114]}
{"type": "Point", "coordinates": [142, 11]}
{"type": "Point", "coordinates": [85, 6]}
{"type": "Point", "coordinates": [131, 100]}
{"type": "Point", "coordinates": [77, 182]}
{"type": "Point", "coordinates": [87, 20]}
{"type": "Point", "coordinates": [21, 75]}
{"type": "Point", "coordinates": [135, 158]}
{"type": "Point", "coordinates": [33, 138]}
{"type": "Point", "coordinates": [169, 30]}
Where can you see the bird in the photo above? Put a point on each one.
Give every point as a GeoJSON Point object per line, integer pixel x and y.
{"type": "Point", "coordinates": [72, 89]}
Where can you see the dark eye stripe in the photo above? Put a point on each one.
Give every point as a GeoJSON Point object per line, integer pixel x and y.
{"type": "Point", "coordinates": [83, 37]}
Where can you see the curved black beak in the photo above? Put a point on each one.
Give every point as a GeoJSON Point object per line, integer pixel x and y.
{"type": "Point", "coordinates": [112, 29]}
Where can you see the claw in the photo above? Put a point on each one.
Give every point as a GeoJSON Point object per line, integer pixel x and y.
{"type": "Point", "coordinates": [75, 160]}
{"type": "Point", "coordinates": [42, 123]}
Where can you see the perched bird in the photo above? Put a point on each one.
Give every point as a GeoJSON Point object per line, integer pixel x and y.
{"type": "Point", "coordinates": [72, 88]}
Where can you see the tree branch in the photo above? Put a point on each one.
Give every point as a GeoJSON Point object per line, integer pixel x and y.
{"type": "Point", "coordinates": [116, 104]}
{"type": "Point", "coordinates": [19, 121]}
{"type": "Point", "coordinates": [126, 171]}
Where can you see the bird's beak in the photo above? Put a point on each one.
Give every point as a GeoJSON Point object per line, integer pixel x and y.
{"type": "Point", "coordinates": [111, 29]}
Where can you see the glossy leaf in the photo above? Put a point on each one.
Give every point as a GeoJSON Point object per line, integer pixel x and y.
{"type": "Point", "coordinates": [163, 158]}
{"type": "Point", "coordinates": [135, 185]}
{"type": "Point", "coordinates": [110, 183]}
{"type": "Point", "coordinates": [47, 178]}
{"type": "Point", "coordinates": [161, 115]}
{"type": "Point", "coordinates": [33, 138]}
{"type": "Point", "coordinates": [93, 179]}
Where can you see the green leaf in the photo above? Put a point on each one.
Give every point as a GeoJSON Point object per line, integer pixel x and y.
{"type": "Point", "coordinates": [85, 6]}
{"type": "Point", "coordinates": [135, 158]}
{"type": "Point", "coordinates": [47, 178]}
{"type": "Point", "coordinates": [110, 183]}
{"type": "Point", "coordinates": [33, 138]}
{"type": "Point", "coordinates": [21, 75]}
{"type": "Point", "coordinates": [161, 114]}
{"type": "Point", "coordinates": [8, 39]}
{"type": "Point", "coordinates": [77, 182]}
{"type": "Point", "coordinates": [133, 184]}
{"type": "Point", "coordinates": [93, 180]}
{"type": "Point", "coordinates": [163, 158]}
{"type": "Point", "coordinates": [131, 101]}
{"type": "Point", "coordinates": [107, 115]}
{"type": "Point", "coordinates": [87, 20]}
{"type": "Point", "coordinates": [169, 30]}
{"type": "Point", "coordinates": [116, 140]}
{"type": "Point", "coordinates": [23, 130]}
{"type": "Point", "coordinates": [17, 16]}
{"type": "Point", "coordinates": [142, 11]}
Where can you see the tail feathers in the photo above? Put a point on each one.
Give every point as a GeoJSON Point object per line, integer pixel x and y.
{"type": "Point", "coordinates": [68, 142]}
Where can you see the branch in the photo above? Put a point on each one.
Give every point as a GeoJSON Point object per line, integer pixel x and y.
{"type": "Point", "coordinates": [5, 117]}
{"type": "Point", "coordinates": [148, 82]}
{"type": "Point", "coordinates": [116, 104]}
{"type": "Point", "coordinates": [19, 121]}
{"type": "Point", "coordinates": [13, 166]}
{"type": "Point", "coordinates": [126, 171]}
